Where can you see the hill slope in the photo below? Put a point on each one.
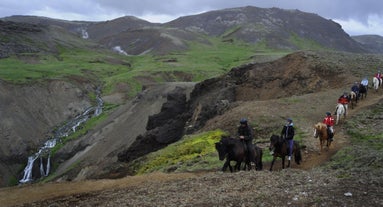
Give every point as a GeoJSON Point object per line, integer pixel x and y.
{"type": "Point", "coordinates": [274, 28]}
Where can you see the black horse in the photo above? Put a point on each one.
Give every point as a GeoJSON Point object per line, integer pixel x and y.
{"type": "Point", "coordinates": [234, 150]}
{"type": "Point", "coordinates": [279, 148]}
{"type": "Point", "coordinates": [363, 91]}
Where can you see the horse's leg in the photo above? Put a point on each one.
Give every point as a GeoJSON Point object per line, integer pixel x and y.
{"type": "Point", "coordinates": [272, 163]}
{"type": "Point", "coordinates": [288, 162]}
{"type": "Point", "coordinates": [283, 162]}
{"type": "Point", "coordinates": [227, 164]}
{"type": "Point", "coordinates": [237, 166]}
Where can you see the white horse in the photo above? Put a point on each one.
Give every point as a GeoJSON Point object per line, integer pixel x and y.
{"type": "Point", "coordinates": [340, 110]}
{"type": "Point", "coordinates": [375, 83]}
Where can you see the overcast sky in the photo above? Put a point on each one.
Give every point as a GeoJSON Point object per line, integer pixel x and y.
{"type": "Point", "coordinates": [356, 16]}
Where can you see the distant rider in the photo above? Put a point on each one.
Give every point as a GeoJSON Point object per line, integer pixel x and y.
{"type": "Point", "coordinates": [245, 133]}
{"type": "Point", "coordinates": [288, 133]}
{"type": "Point", "coordinates": [364, 82]}
{"type": "Point", "coordinates": [355, 89]}
{"type": "Point", "coordinates": [344, 100]}
{"type": "Point", "coordinates": [378, 75]}
{"type": "Point", "coordinates": [329, 121]}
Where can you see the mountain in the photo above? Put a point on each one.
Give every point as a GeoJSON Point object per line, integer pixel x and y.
{"type": "Point", "coordinates": [275, 28]}
{"type": "Point", "coordinates": [373, 42]}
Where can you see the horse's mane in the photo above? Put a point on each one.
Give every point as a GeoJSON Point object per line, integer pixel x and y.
{"type": "Point", "coordinates": [320, 125]}
{"type": "Point", "coordinates": [228, 140]}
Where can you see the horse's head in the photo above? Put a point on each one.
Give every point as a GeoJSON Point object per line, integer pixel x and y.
{"type": "Point", "coordinates": [319, 128]}
{"type": "Point", "coordinates": [316, 130]}
{"type": "Point", "coordinates": [222, 147]}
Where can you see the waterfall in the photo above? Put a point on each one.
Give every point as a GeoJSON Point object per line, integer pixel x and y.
{"type": "Point", "coordinates": [63, 131]}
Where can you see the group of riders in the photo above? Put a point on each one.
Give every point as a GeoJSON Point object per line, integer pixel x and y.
{"type": "Point", "coordinates": [245, 132]}
{"type": "Point", "coordinates": [345, 99]}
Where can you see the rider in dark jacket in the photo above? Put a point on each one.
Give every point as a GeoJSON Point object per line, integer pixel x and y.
{"type": "Point", "coordinates": [288, 133]}
{"type": "Point", "coordinates": [245, 133]}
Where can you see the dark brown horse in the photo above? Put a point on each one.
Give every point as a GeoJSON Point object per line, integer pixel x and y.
{"type": "Point", "coordinates": [320, 130]}
{"type": "Point", "coordinates": [363, 91]}
{"type": "Point", "coordinates": [279, 148]}
{"type": "Point", "coordinates": [234, 150]}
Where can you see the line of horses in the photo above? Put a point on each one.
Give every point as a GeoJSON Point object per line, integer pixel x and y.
{"type": "Point", "coordinates": [233, 149]}
{"type": "Point", "coordinates": [320, 129]}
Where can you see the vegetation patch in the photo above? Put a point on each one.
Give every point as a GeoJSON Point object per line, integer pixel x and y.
{"type": "Point", "coordinates": [191, 153]}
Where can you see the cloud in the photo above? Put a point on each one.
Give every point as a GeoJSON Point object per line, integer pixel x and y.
{"type": "Point", "coordinates": [373, 25]}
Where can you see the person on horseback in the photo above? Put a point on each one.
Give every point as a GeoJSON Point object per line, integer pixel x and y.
{"type": "Point", "coordinates": [355, 89]}
{"type": "Point", "coordinates": [245, 133]}
{"type": "Point", "coordinates": [378, 75]}
{"type": "Point", "coordinates": [343, 99]}
{"type": "Point", "coordinates": [288, 133]}
{"type": "Point", "coordinates": [364, 82]}
{"type": "Point", "coordinates": [329, 121]}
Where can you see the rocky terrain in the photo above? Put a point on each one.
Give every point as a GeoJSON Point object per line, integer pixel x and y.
{"type": "Point", "coordinates": [321, 180]}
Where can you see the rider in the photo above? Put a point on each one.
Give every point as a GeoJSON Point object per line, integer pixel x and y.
{"type": "Point", "coordinates": [245, 134]}
{"type": "Point", "coordinates": [355, 89]}
{"type": "Point", "coordinates": [329, 121]}
{"type": "Point", "coordinates": [288, 134]}
{"type": "Point", "coordinates": [379, 77]}
{"type": "Point", "coordinates": [343, 99]}
{"type": "Point", "coordinates": [364, 82]}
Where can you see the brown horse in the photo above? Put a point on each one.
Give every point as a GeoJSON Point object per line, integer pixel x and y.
{"type": "Point", "coordinates": [320, 130]}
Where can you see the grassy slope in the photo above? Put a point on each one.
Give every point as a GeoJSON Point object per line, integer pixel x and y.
{"type": "Point", "coordinates": [199, 63]}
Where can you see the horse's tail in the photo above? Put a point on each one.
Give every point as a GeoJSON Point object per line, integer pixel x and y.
{"type": "Point", "coordinates": [260, 164]}
{"type": "Point", "coordinates": [297, 154]}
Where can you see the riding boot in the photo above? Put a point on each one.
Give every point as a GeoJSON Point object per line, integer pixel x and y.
{"type": "Point", "coordinates": [329, 134]}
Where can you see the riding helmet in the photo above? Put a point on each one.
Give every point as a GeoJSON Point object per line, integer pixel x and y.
{"type": "Point", "coordinates": [328, 113]}
{"type": "Point", "coordinates": [243, 121]}
{"type": "Point", "coordinates": [289, 120]}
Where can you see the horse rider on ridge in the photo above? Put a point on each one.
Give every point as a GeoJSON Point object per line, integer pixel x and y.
{"type": "Point", "coordinates": [378, 75]}
{"type": "Point", "coordinates": [329, 121]}
{"type": "Point", "coordinates": [343, 99]}
{"type": "Point", "coordinates": [288, 133]}
{"type": "Point", "coordinates": [355, 89]}
{"type": "Point", "coordinates": [364, 82]}
{"type": "Point", "coordinates": [245, 133]}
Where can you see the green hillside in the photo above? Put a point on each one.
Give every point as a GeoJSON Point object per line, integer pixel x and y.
{"type": "Point", "coordinates": [200, 62]}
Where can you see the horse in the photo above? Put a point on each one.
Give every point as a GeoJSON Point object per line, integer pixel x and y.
{"type": "Point", "coordinates": [258, 154]}
{"type": "Point", "coordinates": [320, 130]}
{"type": "Point", "coordinates": [375, 83]}
{"type": "Point", "coordinates": [234, 150]}
{"type": "Point", "coordinates": [279, 148]}
{"type": "Point", "coordinates": [363, 91]}
{"type": "Point", "coordinates": [340, 110]}
{"type": "Point", "coordinates": [353, 99]}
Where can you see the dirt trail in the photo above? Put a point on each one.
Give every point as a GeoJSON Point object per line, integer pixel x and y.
{"type": "Point", "coordinates": [37, 192]}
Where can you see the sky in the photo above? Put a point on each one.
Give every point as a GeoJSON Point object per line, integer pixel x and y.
{"type": "Point", "coordinates": [357, 17]}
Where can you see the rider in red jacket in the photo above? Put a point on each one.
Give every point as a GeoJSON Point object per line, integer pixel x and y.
{"type": "Point", "coordinates": [329, 121]}
{"type": "Point", "coordinates": [343, 99]}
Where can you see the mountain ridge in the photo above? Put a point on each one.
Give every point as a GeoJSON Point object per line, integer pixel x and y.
{"type": "Point", "coordinates": [277, 28]}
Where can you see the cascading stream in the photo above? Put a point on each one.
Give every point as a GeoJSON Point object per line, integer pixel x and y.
{"type": "Point", "coordinates": [64, 131]}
